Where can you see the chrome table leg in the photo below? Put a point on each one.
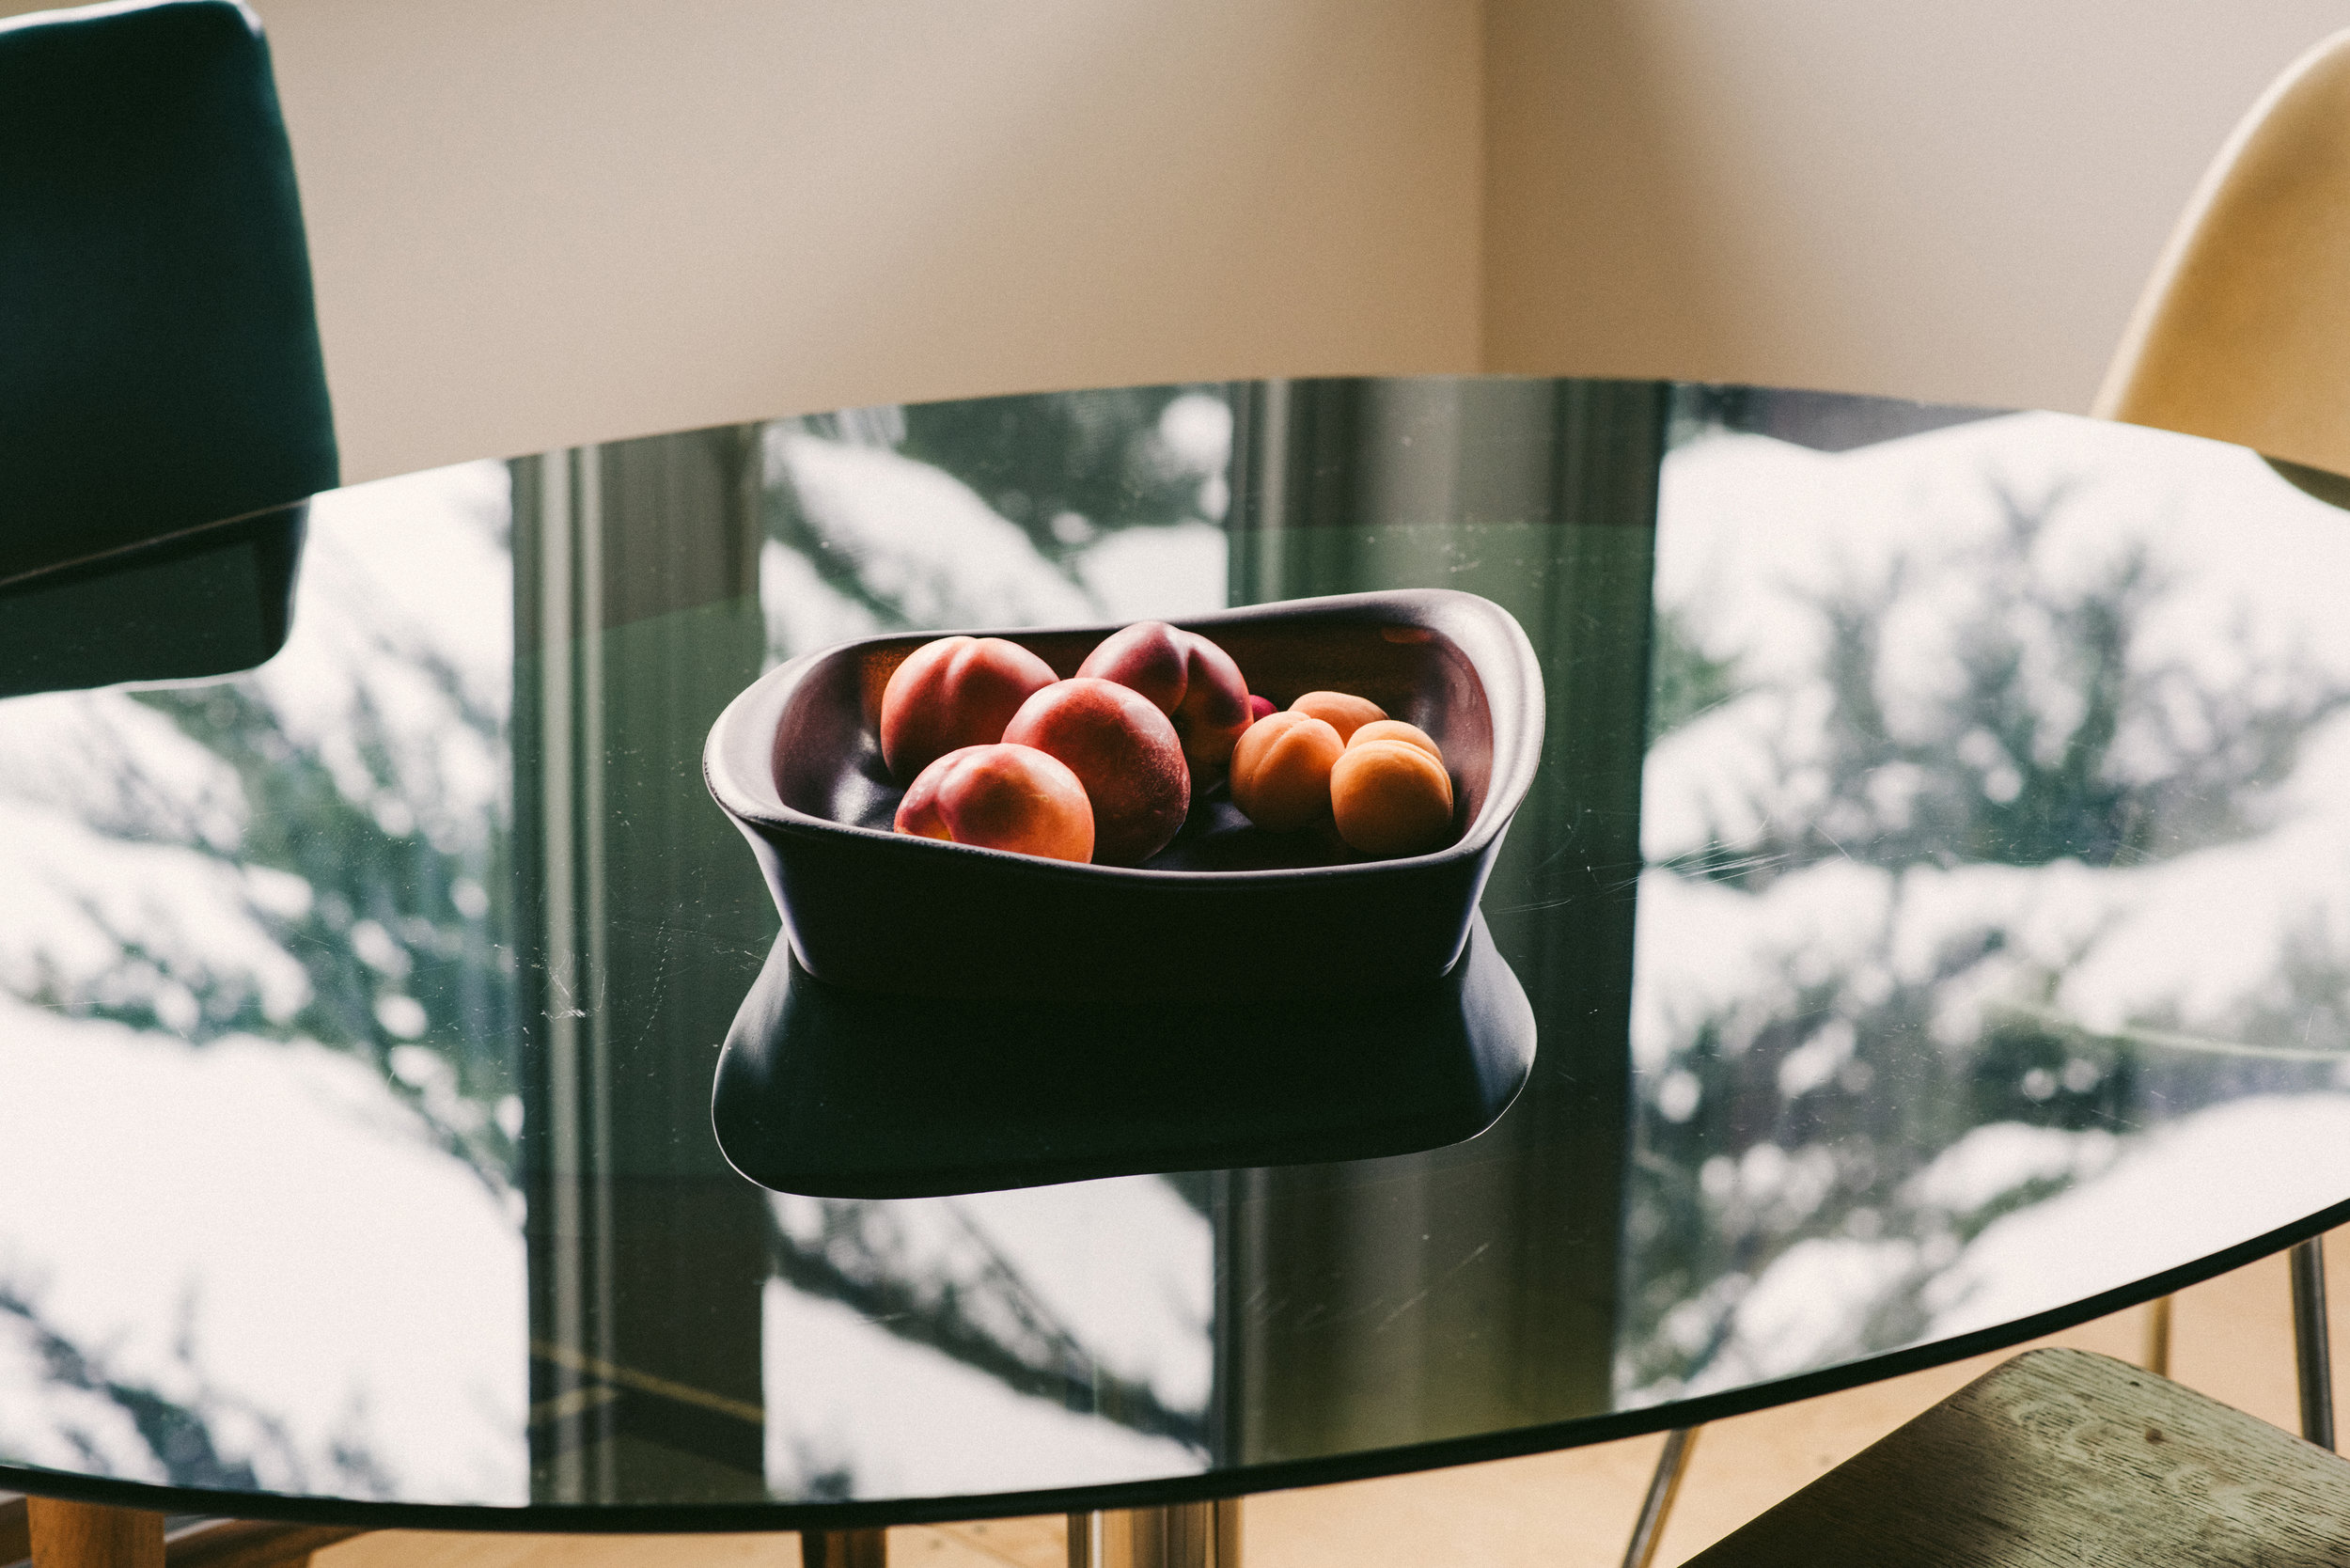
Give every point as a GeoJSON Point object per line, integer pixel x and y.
{"type": "Point", "coordinates": [1658, 1505]}
{"type": "Point", "coordinates": [1182, 1535]}
{"type": "Point", "coordinates": [844, 1548]}
{"type": "Point", "coordinates": [2313, 1354]}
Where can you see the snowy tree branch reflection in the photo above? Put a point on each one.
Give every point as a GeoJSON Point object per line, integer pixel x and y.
{"type": "Point", "coordinates": [983, 1314]}
{"type": "Point", "coordinates": [1890, 874]}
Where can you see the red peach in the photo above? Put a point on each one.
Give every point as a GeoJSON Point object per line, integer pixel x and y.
{"type": "Point", "coordinates": [1147, 657]}
{"type": "Point", "coordinates": [1193, 681]}
{"type": "Point", "coordinates": [1392, 798]}
{"type": "Point", "coordinates": [1215, 707]}
{"type": "Point", "coordinates": [1258, 707]}
{"type": "Point", "coordinates": [1282, 770]}
{"type": "Point", "coordinates": [952, 692]}
{"type": "Point", "coordinates": [1340, 712]}
{"type": "Point", "coordinates": [1004, 797]}
{"type": "Point", "coordinates": [1126, 753]}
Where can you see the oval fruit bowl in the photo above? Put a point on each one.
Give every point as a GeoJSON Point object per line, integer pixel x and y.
{"type": "Point", "coordinates": [1227, 910]}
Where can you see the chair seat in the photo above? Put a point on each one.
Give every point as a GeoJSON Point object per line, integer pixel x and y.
{"type": "Point", "coordinates": [2063, 1457]}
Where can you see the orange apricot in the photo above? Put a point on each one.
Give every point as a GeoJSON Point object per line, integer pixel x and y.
{"type": "Point", "coordinates": [1396, 729]}
{"type": "Point", "coordinates": [1282, 770]}
{"type": "Point", "coordinates": [1391, 798]}
{"type": "Point", "coordinates": [1340, 712]}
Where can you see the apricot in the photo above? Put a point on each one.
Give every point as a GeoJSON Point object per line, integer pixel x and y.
{"type": "Point", "coordinates": [1282, 770]}
{"type": "Point", "coordinates": [1123, 751]}
{"type": "Point", "coordinates": [1340, 712]}
{"type": "Point", "coordinates": [1003, 797]}
{"type": "Point", "coordinates": [952, 692]}
{"type": "Point", "coordinates": [1396, 729]}
{"type": "Point", "coordinates": [1192, 681]}
{"type": "Point", "coordinates": [1392, 798]}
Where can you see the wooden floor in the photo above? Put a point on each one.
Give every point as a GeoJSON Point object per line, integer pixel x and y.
{"type": "Point", "coordinates": [2231, 1338]}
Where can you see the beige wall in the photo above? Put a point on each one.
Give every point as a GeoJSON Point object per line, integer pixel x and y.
{"type": "Point", "coordinates": [1951, 202]}
{"type": "Point", "coordinates": [538, 221]}
{"type": "Point", "coordinates": [534, 223]}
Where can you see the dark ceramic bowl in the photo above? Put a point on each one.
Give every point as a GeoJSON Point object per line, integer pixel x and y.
{"type": "Point", "coordinates": [1227, 910]}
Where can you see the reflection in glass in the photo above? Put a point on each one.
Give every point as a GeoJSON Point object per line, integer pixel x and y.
{"type": "Point", "coordinates": [1994, 837]}
{"type": "Point", "coordinates": [256, 1037]}
{"type": "Point", "coordinates": [1071, 1324]}
{"type": "Point", "coordinates": [673, 1306]}
{"type": "Point", "coordinates": [1440, 1294]}
{"type": "Point", "coordinates": [1946, 812]}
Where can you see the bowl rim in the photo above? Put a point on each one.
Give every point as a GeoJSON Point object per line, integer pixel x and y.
{"type": "Point", "coordinates": [756, 803]}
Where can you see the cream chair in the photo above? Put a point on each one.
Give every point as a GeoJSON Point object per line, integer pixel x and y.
{"type": "Point", "coordinates": [2242, 335]}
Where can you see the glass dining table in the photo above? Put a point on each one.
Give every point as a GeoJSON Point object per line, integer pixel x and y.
{"type": "Point", "coordinates": [1931, 906]}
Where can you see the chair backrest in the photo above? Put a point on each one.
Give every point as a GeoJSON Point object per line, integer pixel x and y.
{"type": "Point", "coordinates": [2244, 331]}
{"type": "Point", "coordinates": [159, 353]}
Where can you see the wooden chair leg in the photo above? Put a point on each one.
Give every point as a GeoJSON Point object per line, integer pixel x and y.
{"type": "Point", "coordinates": [16, 1540]}
{"type": "Point", "coordinates": [2156, 1358]}
{"type": "Point", "coordinates": [81, 1535]}
{"type": "Point", "coordinates": [91, 1535]}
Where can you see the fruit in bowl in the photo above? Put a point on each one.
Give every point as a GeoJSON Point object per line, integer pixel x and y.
{"type": "Point", "coordinates": [1123, 751]}
{"type": "Point", "coordinates": [795, 764]}
{"type": "Point", "coordinates": [1003, 797]}
{"type": "Point", "coordinates": [1341, 711]}
{"type": "Point", "coordinates": [952, 692]}
{"type": "Point", "coordinates": [1391, 793]}
{"type": "Point", "coordinates": [1154, 722]}
{"type": "Point", "coordinates": [1395, 729]}
{"type": "Point", "coordinates": [1192, 681]}
{"type": "Point", "coordinates": [1281, 771]}
{"type": "Point", "coordinates": [1382, 785]}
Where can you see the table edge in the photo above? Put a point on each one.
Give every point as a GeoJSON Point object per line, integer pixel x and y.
{"type": "Point", "coordinates": [1277, 1476]}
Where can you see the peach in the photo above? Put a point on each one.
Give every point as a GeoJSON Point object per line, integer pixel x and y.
{"type": "Point", "coordinates": [1123, 751]}
{"type": "Point", "coordinates": [1260, 707]}
{"type": "Point", "coordinates": [1340, 712]}
{"type": "Point", "coordinates": [1003, 797]}
{"type": "Point", "coordinates": [1193, 681]}
{"type": "Point", "coordinates": [1147, 657]}
{"type": "Point", "coordinates": [1392, 798]}
{"type": "Point", "coordinates": [1395, 729]}
{"type": "Point", "coordinates": [1282, 770]}
{"type": "Point", "coordinates": [952, 692]}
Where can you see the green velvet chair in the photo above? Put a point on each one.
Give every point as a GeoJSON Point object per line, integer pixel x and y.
{"type": "Point", "coordinates": [164, 411]}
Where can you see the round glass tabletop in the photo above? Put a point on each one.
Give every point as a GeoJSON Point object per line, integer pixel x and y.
{"type": "Point", "coordinates": [1931, 903]}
